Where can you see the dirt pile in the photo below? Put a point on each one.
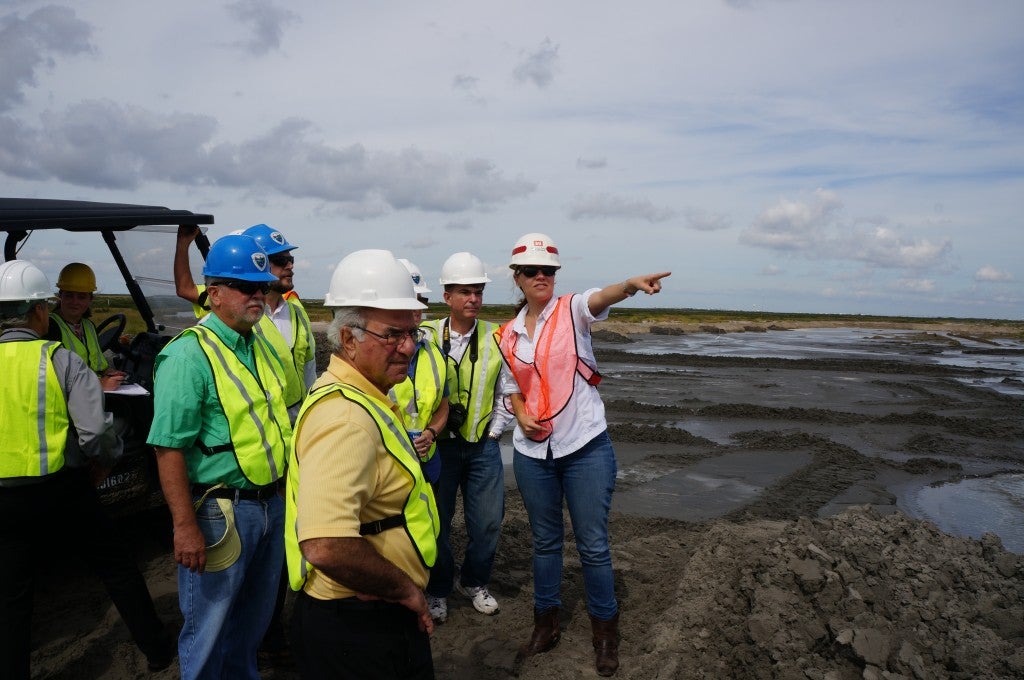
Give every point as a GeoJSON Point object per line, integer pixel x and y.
{"type": "Point", "coordinates": [855, 595]}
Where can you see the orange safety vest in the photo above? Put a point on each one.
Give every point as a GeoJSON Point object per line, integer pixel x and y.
{"type": "Point", "coordinates": [548, 381]}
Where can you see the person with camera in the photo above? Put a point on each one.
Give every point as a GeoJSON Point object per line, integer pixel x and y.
{"type": "Point", "coordinates": [468, 445]}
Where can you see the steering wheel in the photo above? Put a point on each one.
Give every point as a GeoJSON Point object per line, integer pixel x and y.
{"type": "Point", "coordinates": [109, 331]}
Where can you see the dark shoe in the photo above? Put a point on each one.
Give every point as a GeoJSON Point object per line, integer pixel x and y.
{"type": "Point", "coordinates": [606, 644]}
{"type": "Point", "coordinates": [546, 634]}
{"type": "Point", "coordinates": [161, 659]}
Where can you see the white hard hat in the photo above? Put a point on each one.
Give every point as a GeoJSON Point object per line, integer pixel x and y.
{"type": "Point", "coordinates": [417, 277]}
{"type": "Point", "coordinates": [463, 268]}
{"type": "Point", "coordinates": [536, 249]}
{"type": "Point", "coordinates": [371, 278]}
{"type": "Point", "coordinates": [23, 281]}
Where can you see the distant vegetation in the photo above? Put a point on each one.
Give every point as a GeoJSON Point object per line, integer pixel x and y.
{"type": "Point", "coordinates": [105, 305]}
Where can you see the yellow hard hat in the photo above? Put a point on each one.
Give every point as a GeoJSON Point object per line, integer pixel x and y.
{"type": "Point", "coordinates": [77, 278]}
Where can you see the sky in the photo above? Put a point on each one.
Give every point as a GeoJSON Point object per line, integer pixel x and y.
{"type": "Point", "coordinates": [820, 156]}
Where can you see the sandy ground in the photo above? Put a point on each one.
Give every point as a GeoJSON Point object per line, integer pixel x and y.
{"type": "Point", "coordinates": [811, 572]}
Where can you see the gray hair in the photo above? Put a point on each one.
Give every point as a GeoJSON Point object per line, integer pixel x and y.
{"type": "Point", "coordinates": [345, 317]}
{"type": "Point", "coordinates": [15, 313]}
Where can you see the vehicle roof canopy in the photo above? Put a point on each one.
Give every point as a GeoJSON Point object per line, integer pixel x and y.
{"type": "Point", "coordinates": [44, 213]}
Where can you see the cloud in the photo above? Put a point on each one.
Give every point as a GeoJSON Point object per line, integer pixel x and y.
{"type": "Point", "coordinates": [605, 205]}
{"type": "Point", "coordinates": [915, 285]}
{"type": "Point", "coordinates": [771, 270]}
{"type": "Point", "coordinates": [702, 220]}
{"type": "Point", "coordinates": [459, 225]}
{"type": "Point", "coordinates": [591, 163]}
{"type": "Point", "coordinates": [811, 228]}
{"type": "Point", "coordinates": [266, 21]}
{"type": "Point", "coordinates": [539, 67]}
{"type": "Point", "coordinates": [105, 145]}
{"type": "Point", "coordinates": [468, 86]}
{"type": "Point", "coordinates": [27, 44]}
{"type": "Point", "coordinates": [990, 273]}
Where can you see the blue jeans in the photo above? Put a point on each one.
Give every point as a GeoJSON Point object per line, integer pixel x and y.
{"type": "Point", "coordinates": [226, 612]}
{"type": "Point", "coordinates": [476, 469]}
{"type": "Point", "coordinates": [586, 480]}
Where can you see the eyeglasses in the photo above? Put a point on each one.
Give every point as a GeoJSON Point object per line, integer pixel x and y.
{"type": "Point", "coordinates": [281, 260]}
{"type": "Point", "coordinates": [246, 287]}
{"type": "Point", "coordinates": [530, 272]}
{"type": "Point", "coordinates": [392, 338]}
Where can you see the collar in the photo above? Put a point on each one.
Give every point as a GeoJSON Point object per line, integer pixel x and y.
{"type": "Point", "coordinates": [341, 371]}
{"type": "Point", "coordinates": [17, 334]}
{"type": "Point", "coordinates": [519, 325]}
{"type": "Point", "coordinates": [228, 335]}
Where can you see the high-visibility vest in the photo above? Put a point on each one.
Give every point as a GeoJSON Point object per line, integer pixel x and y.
{"type": "Point", "coordinates": [89, 350]}
{"type": "Point", "coordinates": [548, 381]}
{"type": "Point", "coordinates": [471, 380]}
{"type": "Point", "coordinates": [422, 393]}
{"type": "Point", "coordinates": [253, 405]}
{"type": "Point", "coordinates": [303, 343]}
{"type": "Point", "coordinates": [33, 410]}
{"type": "Point", "coordinates": [419, 516]}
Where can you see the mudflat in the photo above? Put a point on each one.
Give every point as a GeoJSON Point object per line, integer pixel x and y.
{"type": "Point", "coordinates": [794, 561]}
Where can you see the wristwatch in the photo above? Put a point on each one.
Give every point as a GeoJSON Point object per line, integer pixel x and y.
{"type": "Point", "coordinates": [493, 436]}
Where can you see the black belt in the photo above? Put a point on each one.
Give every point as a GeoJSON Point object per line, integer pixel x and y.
{"type": "Point", "coordinates": [258, 494]}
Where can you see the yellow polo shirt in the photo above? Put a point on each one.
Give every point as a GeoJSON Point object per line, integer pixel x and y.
{"type": "Point", "coordinates": [347, 478]}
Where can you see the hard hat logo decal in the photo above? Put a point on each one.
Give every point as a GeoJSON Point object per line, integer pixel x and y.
{"type": "Point", "coordinates": [416, 279]}
{"type": "Point", "coordinates": [278, 238]}
{"type": "Point", "coordinates": [259, 260]}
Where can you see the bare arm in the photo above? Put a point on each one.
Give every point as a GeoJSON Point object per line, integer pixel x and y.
{"type": "Point", "coordinates": [527, 423]}
{"type": "Point", "coordinates": [354, 562]}
{"type": "Point", "coordinates": [189, 542]}
{"type": "Point", "coordinates": [184, 286]}
{"type": "Point", "coordinates": [617, 292]}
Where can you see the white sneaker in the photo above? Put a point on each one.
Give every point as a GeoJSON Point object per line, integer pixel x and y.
{"type": "Point", "coordinates": [438, 608]}
{"type": "Point", "coordinates": [483, 601]}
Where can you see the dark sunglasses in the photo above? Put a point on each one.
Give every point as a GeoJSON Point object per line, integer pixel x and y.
{"type": "Point", "coordinates": [246, 287]}
{"type": "Point", "coordinates": [530, 272]}
{"type": "Point", "coordinates": [281, 260]}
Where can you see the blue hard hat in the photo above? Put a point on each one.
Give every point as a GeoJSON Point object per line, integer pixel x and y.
{"type": "Point", "coordinates": [237, 256]}
{"type": "Point", "coordinates": [270, 239]}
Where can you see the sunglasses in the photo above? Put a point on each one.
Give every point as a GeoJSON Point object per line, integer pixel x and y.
{"type": "Point", "coordinates": [246, 287]}
{"type": "Point", "coordinates": [281, 260]}
{"type": "Point", "coordinates": [530, 272]}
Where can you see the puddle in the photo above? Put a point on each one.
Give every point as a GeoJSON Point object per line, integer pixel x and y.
{"type": "Point", "coordinates": [710, 488]}
{"type": "Point", "coordinates": [971, 507]}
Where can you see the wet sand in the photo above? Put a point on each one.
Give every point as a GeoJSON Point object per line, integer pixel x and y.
{"type": "Point", "coordinates": [756, 532]}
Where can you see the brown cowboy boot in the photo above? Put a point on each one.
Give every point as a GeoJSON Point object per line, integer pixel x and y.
{"type": "Point", "coordinates": [606, 644]}
{"type": "Point", "coordinates": [546, 634]}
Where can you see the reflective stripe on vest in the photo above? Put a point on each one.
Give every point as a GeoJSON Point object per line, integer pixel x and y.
{"type": "Point", "coordinates": [33, 410]}
{"type": "Point", "coordinates": [253, 405]}
{"type": "Point", "coordinates": [422, 394]}
{"type": "Point", "coordinates": [472, 383]}
{"type": "Point", "coordinates": [547, 383]}
{"type": "Point", "coordinates": [89, 350]}
{"type": "Point", "coordinates": [421, 522]}
{"type": "Point", "coordinates": [294, 386]}
{"type": "Point", "coordinates": [303, 342]}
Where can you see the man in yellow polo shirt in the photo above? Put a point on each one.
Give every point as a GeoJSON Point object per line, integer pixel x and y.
{"type": "Point", "coordinates": [361, 522]}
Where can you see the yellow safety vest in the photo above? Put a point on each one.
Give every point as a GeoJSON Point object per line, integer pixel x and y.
{"type": "Point", "coordinates": [253, 405]}
{"type": "Point", "coordinates": [472, 380]}
{"type": "Point", "coordinates": [422, 394]}
{"type": "Point", "coordinates": [89, 350]}
{"type": "Point", "coordinates": [419, 515]}
{"type": "Point", "coordinates": [33, 410]}
{"type": "Point", "coordinates": [303, 345]}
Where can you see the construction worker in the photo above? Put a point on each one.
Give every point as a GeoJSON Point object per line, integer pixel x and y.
{"type": "Point", "coordinates": [286, 325]}
{"type": "Point", "coordinates": [361, 518]}
{"type": "Point", "coordinates": [468, 446]}
{"type": "Point", "coordinates": [70, 323]}
{"type": "Point", "coordinates": [55, 433]}
{"type": "Point", "coordinates": [221, 430]}
{"type": "Point", "coordinates": [563, 456]}
{"type": "Point", "coordinates": [423, 395]}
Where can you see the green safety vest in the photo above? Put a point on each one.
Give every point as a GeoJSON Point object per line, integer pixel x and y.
{"type": "Point", "coordinates": [303, 345]}
{"type": "Point", "coordinates": [33, 410]}
{"type": "Point", "coordinates": [253, 405]}
{"type": "Point", "coordinates": [472, 380]}
{"type": "Point", "coordinates": [89, 350]}
{"type": "Point", "coordinates": [422, 394]}
{"type": "Point", "coordinates": [419, 515]}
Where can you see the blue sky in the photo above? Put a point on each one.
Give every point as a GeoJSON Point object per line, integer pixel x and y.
{"type": "Point", "coordinates": [780, 155]}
